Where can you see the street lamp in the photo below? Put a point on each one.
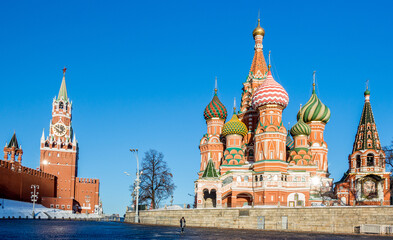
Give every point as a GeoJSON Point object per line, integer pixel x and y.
{"type": "Point", "coordinates": [137, 181]}
{"type": "Point", "coordinates": [34, 196]}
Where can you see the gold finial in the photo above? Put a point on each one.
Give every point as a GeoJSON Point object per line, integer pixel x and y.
{"type": "Point", "coordinates": [269, 66]}
{"type": "Point", "coordinates": [64, 70]}
{"type": "Point", "coordinates": [367, 84]}
{"type": "Point", "coordinates": [313, 81]}
{"type": "Point", "coordinates": [258, 30]}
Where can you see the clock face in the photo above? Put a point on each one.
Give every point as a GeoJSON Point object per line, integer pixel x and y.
{"type": "Point", "coordinates": [59, 129]}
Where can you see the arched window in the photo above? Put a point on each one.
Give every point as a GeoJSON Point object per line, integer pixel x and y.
{"type": "Point", "coordinates": [358, 161]}
{"type": "Point", "coordinates": [261, 178]}
{"type": "Point", "coordinates": [256, 178]}
{"type": "Point", "coordinates": [370, 160]}
{"type": "Point", "coordinates": [61, 105]}
{"type": "Point", "coordinates": [66, 106]}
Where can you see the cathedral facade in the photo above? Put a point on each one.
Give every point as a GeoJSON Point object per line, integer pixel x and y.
{"type": "Point", "coordinates": [253, 160]}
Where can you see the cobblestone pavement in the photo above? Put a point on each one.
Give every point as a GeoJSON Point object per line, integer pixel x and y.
{"type": "Point", "coordinates": [67, 230]}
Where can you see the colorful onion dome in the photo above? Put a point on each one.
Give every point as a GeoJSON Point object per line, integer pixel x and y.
{"type": "Point", "coordinates": [234, 126]}
{"type": "Point", "coordinates": [270, 92]}
{"type": "Point", "coordinates": [215, 109]}
{"type": "Point", "coordinates": [314, 110]}
{"type": "Point", "coordinates": [300, 128]}
{"type": "Point", "coordinates": [258, 30]}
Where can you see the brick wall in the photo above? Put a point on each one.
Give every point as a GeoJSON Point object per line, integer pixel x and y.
{"type": "Point", "coordinates": [87, 189]}
{"type": "Point", "coordinates": [16, 181]}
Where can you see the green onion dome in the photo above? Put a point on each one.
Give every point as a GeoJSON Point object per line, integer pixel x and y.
{"type": "Point", "coordinates": [314, 110]}
{"type": "Point", "coordinates": [300, 128]}
{"type": "Point", "coordinates": [367, 92]}
{"type": "Point", "coordinates": [215, 109]}
{"type": "Point", "coordinates": [234, 126]}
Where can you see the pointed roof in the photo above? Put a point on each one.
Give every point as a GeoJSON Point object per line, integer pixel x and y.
{"type": "Point", "coordinates": [258, 66]}
{"type": "Point", "coordinates": [210, 171]}
{"type": "Point", "coordinates": [13, 142]}
{"type": "Point", "coordinates": [367, 134]}
{"type": "Point", "coordinates": [63, 88]}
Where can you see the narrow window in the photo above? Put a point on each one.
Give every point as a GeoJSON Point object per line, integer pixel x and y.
{"type": "Point", "coordinates": [358, 161]}
{"type": "Point", "coordinates": [370, 160]}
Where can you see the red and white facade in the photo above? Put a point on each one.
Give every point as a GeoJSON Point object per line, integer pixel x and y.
{"type": "Point", "coordinates": [254, 164]}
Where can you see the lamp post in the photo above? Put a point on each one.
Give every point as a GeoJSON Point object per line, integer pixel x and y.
{"type": "Point", "coordinates": [137, 181]}
{"type": "Point", "coordinates": [34, 196]}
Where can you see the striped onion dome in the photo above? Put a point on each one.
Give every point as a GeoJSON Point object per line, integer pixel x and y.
{"type": "Point", "coordinates": [300, 128]}
{"type": "Point", "coordinates": [314, 110]}
{"type": "Point", "coordinates": [215, 109]}
{"type": "Point", "coordinates": [270, 92]}
{"type": "Point", "coordinates": [234, 126]}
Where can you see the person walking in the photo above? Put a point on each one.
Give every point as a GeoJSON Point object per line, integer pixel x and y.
{"type": "Point", "coordinates": [182, 224]}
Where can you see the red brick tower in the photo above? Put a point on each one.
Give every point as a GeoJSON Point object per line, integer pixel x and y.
{"type": "Point", "coordinates": [14, 150]}
{"type": "Point", "coordinates": [59, 156]}
{"type": "Point", "coordinates": [366, 182]}
{"type": "Point", "coordinates": [257, 75]}
{"type": "Point", "coordinates": [59, 151]}
{"type": "Point", "coordinates": [211, 146]}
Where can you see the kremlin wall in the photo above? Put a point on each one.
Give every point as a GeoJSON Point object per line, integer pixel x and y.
{"type": "Point", "coordinates": [59, 185]}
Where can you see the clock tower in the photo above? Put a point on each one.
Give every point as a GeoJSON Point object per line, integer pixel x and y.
{"type": "Point", "coordinates": [59, 150]}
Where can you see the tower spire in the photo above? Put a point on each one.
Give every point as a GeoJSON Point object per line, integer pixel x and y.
{"type": "Point", "coordinates": [63, 88]}
{"type": "Point", "coordinates": [215, 85]}
{"type": "Point", "coordinates": [367, 135]}
{"type": "Point", "coordinates": [313, 81]}
{"type": "Point", "coordinates": [234, 105]}
{"type": "Point", "coordinates": [258, 66]}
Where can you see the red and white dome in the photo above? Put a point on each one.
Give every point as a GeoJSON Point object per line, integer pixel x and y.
{"type": "Point", "coordinates": [270, 92]}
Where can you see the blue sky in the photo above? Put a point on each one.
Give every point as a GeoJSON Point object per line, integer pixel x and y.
{"type": "Point", "coordinates": [140, 74]}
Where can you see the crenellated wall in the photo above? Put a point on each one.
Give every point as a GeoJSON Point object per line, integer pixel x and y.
{"type": "Point", "coordinates": [16, 181]}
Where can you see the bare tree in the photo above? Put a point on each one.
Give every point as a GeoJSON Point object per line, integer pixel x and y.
{"type": "Point", "coordinates": [389, 155]}
{"type": "Point", "coordinates": [157, 180]}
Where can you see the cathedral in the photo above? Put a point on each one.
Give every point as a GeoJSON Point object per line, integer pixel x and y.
{"type": "Point", "coordinates": [253, 160]}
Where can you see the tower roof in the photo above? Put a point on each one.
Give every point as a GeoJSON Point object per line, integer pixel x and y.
{"type": "Point", "coordinates": [234, 126]}
{"type": "Point", "coordinates": [210, 171]}
{"type": "Point", "coordinates": [314, 109]}
{"type": "Point", "coordinates": [367, 134]}
{"type": "Point", "coordinates": [258, 30]}
{"type": "Point", "coordinates": [13, 142]}
{"type": "Point", "coordinates": [300, 128]}
{"type": "Point", "coordinates": [289, 141]}
{"type": "Point", "coordinates": [215, 108]}
{"type": "Point", "coordinates": [258, 66]}
{"type": "Point", "coordinates": [63, 89]}
{"type": "Point", "coordinates": [270, 92]}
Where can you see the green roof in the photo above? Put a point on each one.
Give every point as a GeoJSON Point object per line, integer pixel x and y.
{"type": "Point", "coordinates": [63, 90]}
{"type": "Point", "coordinates": [210, 171]}
{"type": "Point", "coordinates": [367, 135]}
{"type": "Point", "coordinates": [13, 142]}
